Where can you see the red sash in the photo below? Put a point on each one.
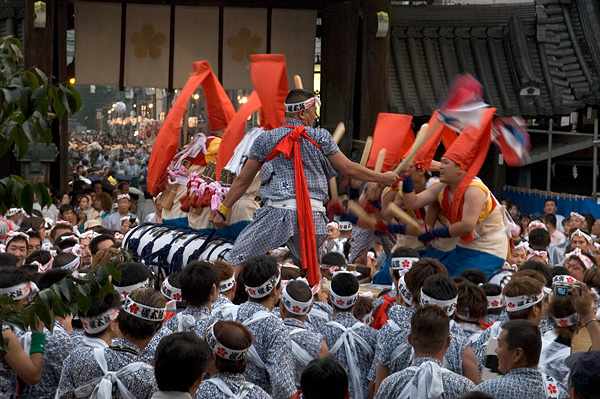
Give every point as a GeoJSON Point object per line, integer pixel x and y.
{"type": "Point", "coordinates": [380, 316]}
{"type": "Point", "coordinates": [289, 146]}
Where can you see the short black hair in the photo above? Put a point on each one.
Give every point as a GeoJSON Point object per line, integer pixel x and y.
{"type": "Point", "coordinates": [40, 255]}
{"type": "Point", "coordinates": [65, 208]}
{"type": "Point", "coordinates": [324, 378]}
{"type": "Point", "coordinates": [197, 280]}
{"type": "Point", "coordinates": [475, 276]}
{"type": "Point", "coordinates": [133, 273]}
{"type": "Point", "coordinates": [526, 335]}
{"type": "Point", "coordinates": [440, 287]}
{"type": "Point", "coordinates": [539, 267]}
{"type": "Point", "coordinates": [180, 359]}
{"type": "Point", "coordinates": [298, 95]}
{"type": "Point", "coordinates": [551, 200]}
{"type": "Point", "coordinates": [550, 219]}
{"type": "Point", "coordinates": [560, 271]}
{"type": "Point", "coordinates": [50, 277]}
{"type": "Point", "coordinates": [299, 291]}
{"type": "Point", "coordinates": [344, 284]}
{"type": "Point", "coordinates": [539, 239]}
{"type": "Point", "coordinates": [333, 259]}
{"type": "Point", "coordinates": [429, 329]}
{"type": "Point", "coordinates": [259, 270]}
{"type": "Point", "coordinates": [8, 260]}
{"type": "Point", "coordinates": [97, 240]}
{"type": "Point", "coordinates": [12, 276]}
{"type": "Point", "coordinates": [419, 272]}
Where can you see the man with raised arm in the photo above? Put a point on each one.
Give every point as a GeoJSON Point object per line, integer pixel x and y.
{"type": "Point", "coordinates": [297, 160]}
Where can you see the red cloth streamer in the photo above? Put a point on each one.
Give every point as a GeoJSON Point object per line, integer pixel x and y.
{"type": "Point", "coordinates": [220, 112]}
{"type": "Point", "coordinates": [394, 133]}
{"type": "Point", "coordinates": [269, 76]}
{"type": "Point", "coordinates": [468, 151]}
{"type": "Point", "coordinates": [289, 146]}
{"type": "Point", "coordinates": [427, 151]}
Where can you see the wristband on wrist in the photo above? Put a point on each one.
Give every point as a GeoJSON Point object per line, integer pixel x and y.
{"type": "Point", "coordinates": [38, 343]}
{"type": "Point", "coordinates": [408, 185]}
{"type": "Point", "coordinates": [397, 228]}
{"type": "Point", "coordinates": [441, 232]}
{"type": "Point", "coordinates": [349, 217]}
{"type": "Point", "coordinates": [353, 193]}
{"type": "Point", "coordinates": [223, 210]}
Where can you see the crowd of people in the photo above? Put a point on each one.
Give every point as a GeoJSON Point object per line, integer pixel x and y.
{"type": "Point", "coordinates": [471, 300]}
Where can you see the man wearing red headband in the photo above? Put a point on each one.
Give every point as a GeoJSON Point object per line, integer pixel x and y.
{"type": "Point", "coordinates": [468, 205]}
{"type": "Point", "coordinates": [293, 186]}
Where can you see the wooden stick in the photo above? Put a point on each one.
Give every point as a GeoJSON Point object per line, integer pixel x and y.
{"type": "Point", "coordinates": [380, 159]}
{"type": "Point", "coordinates": [422, 137]}
{"type": "Point", "coordinates": [403, 216]}
{"type": "Point", "coordinates": [365, 220]}
{"type": "Point", "coordinates": [298, 82]}
{"type": "Point", "coordinates": [339, 132]}
{"type": "Point", "coordinates": [366, 151]}
{"type": "Point", "coordinates": [333, 189]}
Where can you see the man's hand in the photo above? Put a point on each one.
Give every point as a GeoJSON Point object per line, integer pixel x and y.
{"type": "Point", "coordinates": [219, 221]}
{"type": "Point", "coordinates": [388, 178]}
{"type": "Point", "coordinates": [125, 227]}
{"type": "Point", "coordinates": [583, 302]}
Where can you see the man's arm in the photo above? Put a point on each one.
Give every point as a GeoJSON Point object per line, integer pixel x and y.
{"type": "Point", "coordinates": [414, 201]}
{"type": "Point", "coordinates": [356, 171]}
{"type": "Point", "coordinates": [239, 187]}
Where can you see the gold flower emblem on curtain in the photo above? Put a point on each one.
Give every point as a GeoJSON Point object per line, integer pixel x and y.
{"type": "Point", "coordinates": [147, 42]}
{"type": "Point", "coordinates": [244, 44]}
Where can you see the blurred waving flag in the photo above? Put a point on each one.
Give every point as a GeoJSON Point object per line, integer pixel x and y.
{"type": "Point", "coordinates": [509, 133]}
{"type": "Point", "coordinates": [464, 103]}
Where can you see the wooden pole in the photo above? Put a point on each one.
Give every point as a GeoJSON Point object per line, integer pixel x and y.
{"type": "Point", "coordinates": [366, 151]}
{"type": "Point", "coordinates": [403, 216]}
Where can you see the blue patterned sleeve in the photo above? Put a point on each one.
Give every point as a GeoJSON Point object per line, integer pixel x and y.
{"type": "Point", "coordinates": [325, 140]}
{"type": "Point", "coordinates": [280, 363]}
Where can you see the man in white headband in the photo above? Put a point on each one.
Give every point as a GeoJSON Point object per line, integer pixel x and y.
{"type": "Point", "coordinates": [199, 282]}
{"type": "Point", "coordinates": [120, 365]}
{"type": "Point", "coordinates": [12, 216]}
{"type": "Point", "coordinates": [227, 287]}
{"type": "Point", "coordinates": [294, 186]}
{"type": "Point", "coordinates": [120, 221]}
{"type": "Point", "coordinates": [270, 360]}
{"type": "Point", "coordinates": [334, 243]}
{"type": "Point", "coordinates": [295, 302]}
{"type": "Point", "coordinates": [577, 262]}
{"type": "Point", "coordinates": [349, 341]}
{"type": "Point", "coordinates": [518, 351]}
{"type": "Point", "coordinates": [427, 377]}
{"type": "Point", "coordinates": [17, 243]}
{"type": "Point", "coordinates": [581, 240]}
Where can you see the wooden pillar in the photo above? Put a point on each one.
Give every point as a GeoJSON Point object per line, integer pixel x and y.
{"type": "Point", "coordinates": [46, 49]}
{"type": "Point", "coordinates": [338, 68]}
{"type": "Point", "coordinates": [373, 71]}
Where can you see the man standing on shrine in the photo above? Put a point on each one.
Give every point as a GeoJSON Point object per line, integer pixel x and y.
{"type": "Point", "coordinates": [297, 160]}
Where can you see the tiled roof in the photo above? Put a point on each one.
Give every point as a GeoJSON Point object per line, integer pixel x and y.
{"type": "Point", "coordinates": [533, 59]}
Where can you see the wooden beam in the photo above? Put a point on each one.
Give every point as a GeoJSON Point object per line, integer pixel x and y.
{"type": "Point", "coordinates": [298, 4]}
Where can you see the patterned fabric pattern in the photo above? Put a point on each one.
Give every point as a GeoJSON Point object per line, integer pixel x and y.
{"type": "Point", "coordinates": [81, 367]}
{"type": "Point", "coordinates": [315, 318]}
{"type": "Point", "coordinates": [454, 384]}
{"type": "Point", "coordinates": [58, 346]}
{"type": "Point", "coordinates": [148, 352]}
{"type": "Point", "coordinates": [362, 358]}
{"type": "Point", "coordinates": [198, 313]}
{"type": "Point", "coordinates": [277, 176]}
{"type": "Point", "coordinates": [520, 383]}
{"type": "Point", "coordinates": [272, 342]}
{"type": "Point", "coordinates": [208, 390]}
{"type": "Point", "coordinates": [308, 340]}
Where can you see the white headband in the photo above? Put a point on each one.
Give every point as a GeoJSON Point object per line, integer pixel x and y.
{"type": "Point", "coordinates": [16, 292]}
{"type": "Point", "coordinates": [220, 349]}
{"type": "Point", "coordinates": [465, 315]}
{"type": "Point", "coordinates": [169, 291]}
{"type": "Point", "coordinates": [75, 250]}
{"type": "Point", "coordinates": [542, 254]}
{"type": "Point", "coordinates": [144, 312]}
{"type": "Point", "coordinates": [536, 224]}
{"type": "Point", "coordinates": [333, 224]}
{"type": "Point", "coordinates": [294, 306]}
{"type": "Point", "coordinates": [126, 290]}
{"type": "Point", "coordinates": [306, 104]}
{"type": "Point", "coordinates": [343, 302]}
{"type": "Point", "coordinates": [448, 305]}
{"type": "Point", "coordinates": [570, 320]}
{"type": "Point", "coordinates": [226, 285]}
{"type": "Point", "coordinates": [562, 278]}
{"type": "Point", "coordinates": [403, 263]}
{"type": "Point", "coordinates": [583, 234]}
{"type": "Point", "coordinates": [123, 196]}
{"type": "Point", "coordinates": [12, 212]}
{"type": "Point", "coordinates": [69, 237]}
{"type": "Point", "coordinates": [91, 234]}
{"type": "Point", "coordinates": [370, 255]}
{"type": "Point", "coordinates": [522, 245]}
{"type": "Point", "coordinates": [14, 234]}
{"type": "Point", "coordinates": [73, 265]}
{"type": "Point", "coordinates": [99, 323]}
{"type": "Point", "coordinates": [587, 262]}
{"type": "Point", "coordinates": [578, 216]}
{"type": "Point", "coordinates": [516, 303]}
{"type": "Point", "coordinates": [345, 226]}
{"type": "Point", "coordinates": [265, 289]}
{"type": "Point", "coordinates": [495, 301]}
{"type": "Point", "coordinates": [44, 268]}
{"type": "Point", "coordinates": [404, 292]}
